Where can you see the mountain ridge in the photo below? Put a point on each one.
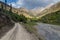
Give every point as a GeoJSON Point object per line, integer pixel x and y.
{"type": "Point", "coordinates": [53, 8]}
{"type": "Point", "coordinates": [37, 12]}
{"type": "Point", "coordinates": [16, 10]}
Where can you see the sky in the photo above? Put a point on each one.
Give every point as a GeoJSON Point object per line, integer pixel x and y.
{"type": "Point", "coordinates": [30, 4]}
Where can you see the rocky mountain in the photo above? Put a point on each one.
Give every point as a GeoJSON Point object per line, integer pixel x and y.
{"type": "Point", "coordinates": [19, 11]}
{"type": "Point", "coordinates": [36, 11]}
{"type": "Point", "coordinates": [50, 9]}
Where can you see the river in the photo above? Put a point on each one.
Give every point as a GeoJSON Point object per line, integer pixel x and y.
{"type": "Point", "coordinates": [48, 31]}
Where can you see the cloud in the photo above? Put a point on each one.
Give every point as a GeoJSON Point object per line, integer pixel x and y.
{"type": "Point", "coordinates": [13, 4]}
{"type": "Point", "coordinates": [31, 4]}
{"type": "Point", "coordinates": [35, 3]}
{"type": "Point", "coordinates": [17, 4]}
{"type": "Point", "coordinates": [56, 1]}
{"type": "Point", "coordinates": [2, 0]}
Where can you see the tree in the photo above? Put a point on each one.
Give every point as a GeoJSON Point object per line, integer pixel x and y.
{"type": "Point", "coordinates": [1, 7]}
{"type": "Point", "coordinates": [10, 8]}
{"type": "Point", "coordinates": [5, 3]}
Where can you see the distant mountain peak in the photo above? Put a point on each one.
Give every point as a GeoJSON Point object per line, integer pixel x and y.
{"type": "Point", "coordinates": [50, 8]}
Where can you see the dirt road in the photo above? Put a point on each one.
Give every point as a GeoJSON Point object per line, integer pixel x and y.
{"type": "Point", "coordinates": [18, 33]}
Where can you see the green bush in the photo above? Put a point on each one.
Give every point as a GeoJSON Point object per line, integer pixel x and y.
{"type": "Point", "coordinates": [52, 18]}
{"type": "Point", "coordinates": [18, 18]}
{"type": "Point", "coordinates": [29, 26]}
{"type": "Point", "coordinates": [14, 16]}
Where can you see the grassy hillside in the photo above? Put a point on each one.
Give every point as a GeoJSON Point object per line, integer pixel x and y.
{"type": "Point", "coordinates": [52, 18]}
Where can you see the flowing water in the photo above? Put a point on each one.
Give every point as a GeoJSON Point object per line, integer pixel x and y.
{"type": "Point", "coordinates": [48, 32]}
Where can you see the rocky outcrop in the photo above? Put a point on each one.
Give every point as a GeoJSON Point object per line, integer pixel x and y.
{"type": "Point", "coordinates": [5, 24]}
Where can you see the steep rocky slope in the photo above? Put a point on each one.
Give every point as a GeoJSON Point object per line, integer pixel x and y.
{"type": "Point", "coordinates": [52, 8]}
{"type": "Point", "coordinates": [5, 24]}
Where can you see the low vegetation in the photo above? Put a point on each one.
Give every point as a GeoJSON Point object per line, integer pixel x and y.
{"type": "Point", "coordinates": [30, 27]}
{"type": "Point", "coordinates": [52, 18]}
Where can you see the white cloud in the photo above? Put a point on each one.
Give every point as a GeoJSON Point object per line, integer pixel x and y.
{"type": "Point", "coordinates": [17, 4]}
{"type": "Point", "coordinates": [50, 5]}
{"type": "Point", "coordinates": [45, 0]}
{"type": "Point", "coordinates": [56, 1]}
{"type": "Point", "coordinates": [2, 0]}
{"type": "Point", "coordinates": [13, 4]}
{"type": "Point", "coordinates": [26, 3]}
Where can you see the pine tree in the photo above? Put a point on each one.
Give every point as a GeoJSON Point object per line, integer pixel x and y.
{"type": "Point", "coordinates": [10, 7]}
{"type": "Point", "coordinates": [5, 3]}
{"type": "Point", "coordinates": [1, 7]}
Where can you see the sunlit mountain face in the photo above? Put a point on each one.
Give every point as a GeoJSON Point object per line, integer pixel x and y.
{"type": "Point", "coordinates": [34, 7]}
{"type": "Point", "coordinates": [30, 4]}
